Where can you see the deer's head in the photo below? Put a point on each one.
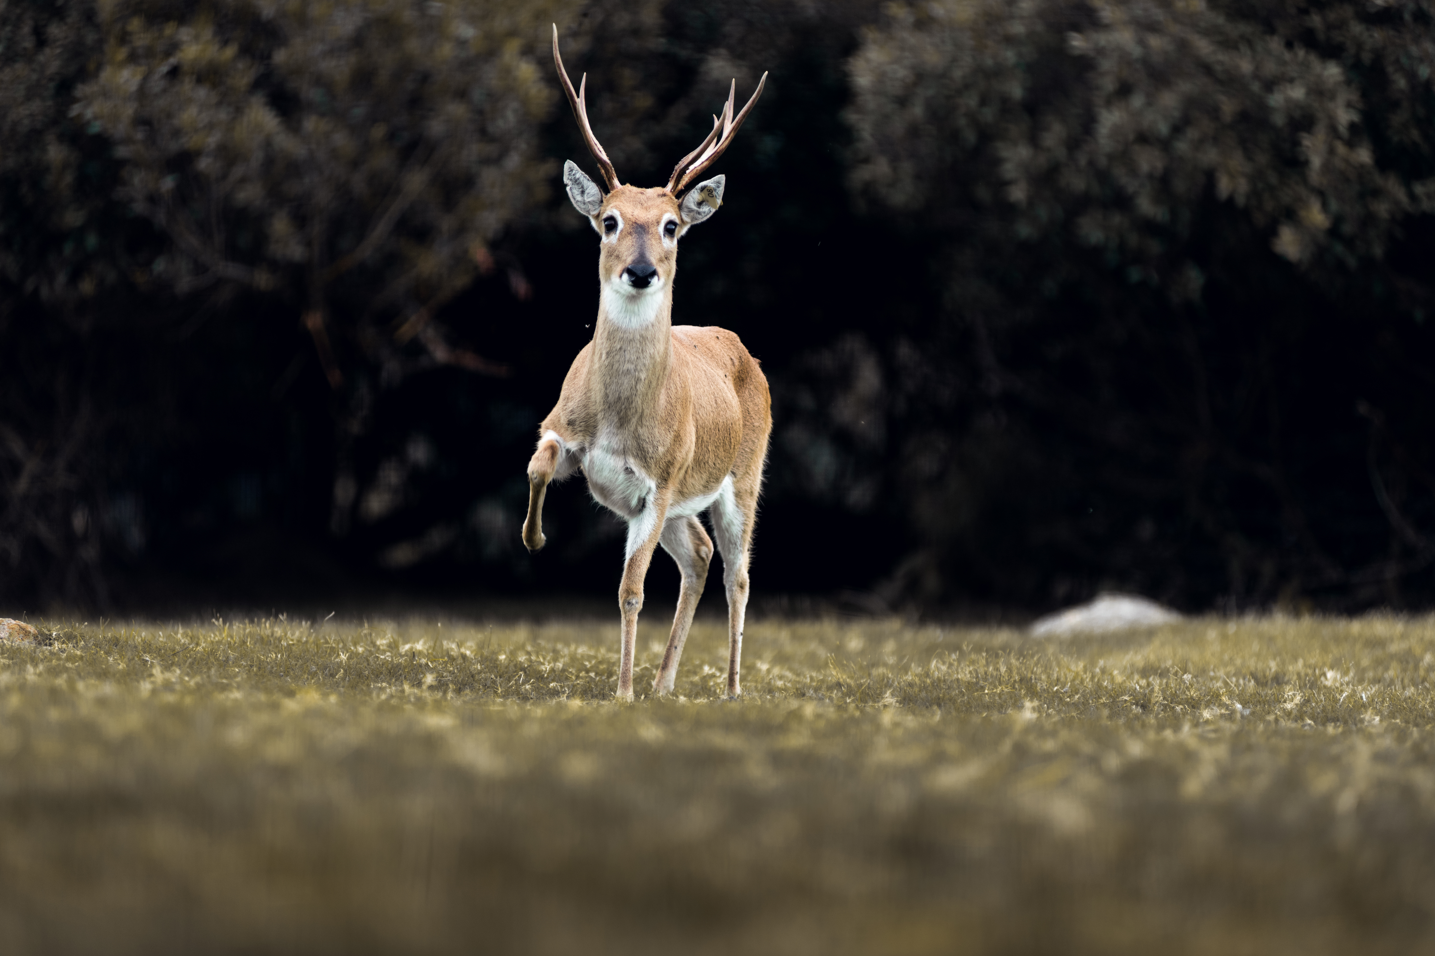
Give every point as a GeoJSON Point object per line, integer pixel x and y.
{"type": "Point", "coordinates": [639, 227]}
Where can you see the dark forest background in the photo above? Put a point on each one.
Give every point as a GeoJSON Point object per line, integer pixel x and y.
{"type": "Point", "coordinates": [1053, 296]}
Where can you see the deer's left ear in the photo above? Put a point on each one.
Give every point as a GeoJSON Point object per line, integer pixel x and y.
{"type": "Point", "coordinates": [585, 195]}
{"type": "Point", "coordinates": [703, 200]}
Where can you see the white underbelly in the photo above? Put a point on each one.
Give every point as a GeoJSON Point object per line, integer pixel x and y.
{"type": "Point", "coordinates": [616, 483]}
{"type": "Point", "coordinates": [623, 488]}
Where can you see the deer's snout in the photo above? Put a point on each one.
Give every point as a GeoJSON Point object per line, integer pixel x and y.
{"type": "Point", "coordinates": [640, 274]}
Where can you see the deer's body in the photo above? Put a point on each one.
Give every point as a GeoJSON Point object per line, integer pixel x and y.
{"type": "Point", "coordinates": [705, 382]}
{"type": "Point", "coordinates": [665, 422]}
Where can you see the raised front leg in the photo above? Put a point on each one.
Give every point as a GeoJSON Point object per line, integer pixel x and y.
{"type": "Point", "coordinates": [692, 549]}
{"type": "Point", "coordinates": [643, 534]}
{"type": "Point", "coordinates": [540, 472]}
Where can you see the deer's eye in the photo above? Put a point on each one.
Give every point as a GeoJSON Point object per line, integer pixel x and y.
{"type": "Point", "coordinates": [610, 223]}
{"type": "Point", "coordinates": [670, 229]}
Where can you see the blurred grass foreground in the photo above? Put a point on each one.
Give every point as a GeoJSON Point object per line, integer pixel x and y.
{"type": "Point", "coordinates": [1214, 786]}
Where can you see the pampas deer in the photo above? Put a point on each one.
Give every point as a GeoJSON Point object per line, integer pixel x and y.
{"type": "Point", "coordinates": [665, 421]}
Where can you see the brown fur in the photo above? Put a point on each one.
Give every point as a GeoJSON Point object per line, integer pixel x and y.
{"type": "Point", "coordinates": [687, 407]}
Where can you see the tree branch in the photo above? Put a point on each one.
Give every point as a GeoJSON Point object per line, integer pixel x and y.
{"type": "Point", "coordinates": [445, 354]}
{"type": "Point", "coordinates": [219, 267]}
{"type": "Point", "coordinates": [314, 322]}
{"type": "Point", "coordinates": [413, 183]}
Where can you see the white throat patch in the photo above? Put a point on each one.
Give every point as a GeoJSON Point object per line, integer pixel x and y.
{"type": "Point", "coordinates": [630, 308]}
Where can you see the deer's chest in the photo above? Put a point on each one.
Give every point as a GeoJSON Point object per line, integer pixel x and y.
{"type": "Point", "coordinates": [615, 481]}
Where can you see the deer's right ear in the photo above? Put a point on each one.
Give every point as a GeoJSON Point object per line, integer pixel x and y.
{"type": "Point", "coordinates": [585, 195]}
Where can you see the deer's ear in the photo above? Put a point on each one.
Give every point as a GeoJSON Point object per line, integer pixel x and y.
{"type": "Point", "coordinates": [585, 195]}
{"type": "Point", "coordinates": [703, 200]}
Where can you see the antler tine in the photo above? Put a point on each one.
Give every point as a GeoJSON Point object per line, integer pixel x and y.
{"type": "Point", "coordinates": [725, 118]}
{"type": "Point", "coordinates": [711, 150]}
{"type": "Point", "coordinates": [580, 112]}
{"type": "Point", "coordinates": [683, 163]}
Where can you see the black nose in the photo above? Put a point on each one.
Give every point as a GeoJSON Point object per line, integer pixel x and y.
{"type": "Point", "coordinates": [640, 274]}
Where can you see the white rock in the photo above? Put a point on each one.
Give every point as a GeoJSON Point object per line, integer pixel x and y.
{"type": "Point", "coordinates": [17, 631]}
{"type": "Point", "coordinates": [1109, 612]}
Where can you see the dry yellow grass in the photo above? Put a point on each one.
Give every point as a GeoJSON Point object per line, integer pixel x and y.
{"type": "Point", "coordinates": [1257, 786]}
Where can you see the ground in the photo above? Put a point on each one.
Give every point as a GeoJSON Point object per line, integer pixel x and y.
{"type": "Point", "coordinates": [1259, 786]}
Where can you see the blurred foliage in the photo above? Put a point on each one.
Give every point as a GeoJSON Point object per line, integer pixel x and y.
{"type": "Point", "coordinates": [352, 162]}
{"type": "Point", "coordinates": [1111, 126]}
{"type": "Point", "coordinates": [356, 159]}
{"type": "Point", "coordinates": [1054, 296]}
{"type": "Point", "coordinates": [70, 324]}
{"type": "Point", "coordinates": [281, 785]}
{"type": "Point", "coordinates": [282, 145]}
{"type": "Point", "coordinates": [56, 182]}
{"type": "Point", "coordinates": [1165, 238]}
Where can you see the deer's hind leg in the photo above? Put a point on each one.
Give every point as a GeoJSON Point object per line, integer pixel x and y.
{"type": "Point", "coordinates": [692, 549]}
{"type": "Point", "coordinates": [734, 515]}
{"type": "Point", "coordinates": [643, 534]}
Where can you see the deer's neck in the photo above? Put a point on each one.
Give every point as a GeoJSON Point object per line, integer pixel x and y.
{"type": "Point", "coordinates": [633, 356]}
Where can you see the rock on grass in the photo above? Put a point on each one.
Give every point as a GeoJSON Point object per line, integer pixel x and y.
{"type": "Point", "coordinates": [18, 632]}
{"type": "Point", "coordinates": [1109, 612]}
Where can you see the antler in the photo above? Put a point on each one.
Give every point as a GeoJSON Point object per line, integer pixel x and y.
{"type": "Point", "coordinates": [580, 112]}
{"type": "Point", "coordinates": [691, 165]}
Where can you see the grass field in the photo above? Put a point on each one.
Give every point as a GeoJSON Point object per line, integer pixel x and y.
{"type": "Point", "coordinates": [1261, 786]}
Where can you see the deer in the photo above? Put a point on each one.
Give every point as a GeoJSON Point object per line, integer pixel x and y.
{"type": "Point", "coordinates": [666, 422]}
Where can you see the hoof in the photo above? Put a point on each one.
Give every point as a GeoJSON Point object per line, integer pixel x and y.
{"type": "Point", "coordinates": [534, 548]}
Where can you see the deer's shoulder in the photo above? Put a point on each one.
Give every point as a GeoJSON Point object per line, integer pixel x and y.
{"type": "Point", "coordinates": [719, 348]}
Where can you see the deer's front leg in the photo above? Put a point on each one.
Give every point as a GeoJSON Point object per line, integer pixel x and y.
{"type": "Point", "coordinates": [643, 534]}
{"type": "Point", "coordinates": [540, 472]}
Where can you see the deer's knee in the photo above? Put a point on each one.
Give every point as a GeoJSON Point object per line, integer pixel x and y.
{"type": "Point", "coordinates": [543, 463]}
{"type": "Point", "coordinates": [702, 560]}
{"type": "Point", "coordinates": [630, 600]}
{"type": "Point", "coordinates": [737, 585]}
